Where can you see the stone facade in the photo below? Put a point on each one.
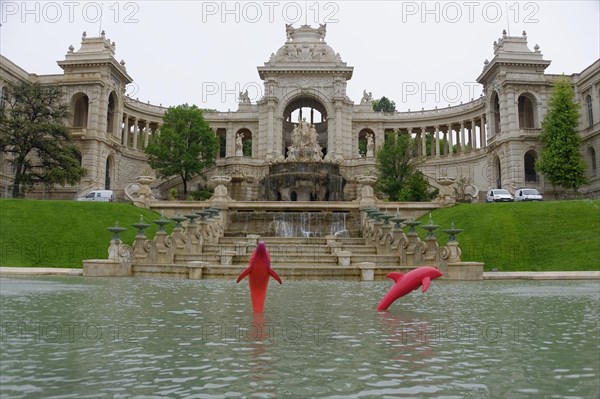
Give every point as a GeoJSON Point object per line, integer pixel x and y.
{"type": "Point", "coordinates": [491, 141]}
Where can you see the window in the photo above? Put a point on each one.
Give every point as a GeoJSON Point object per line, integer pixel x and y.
{"type": "Point", "coordinates": [526, 115]}
{"type": "Point", "coordinates": [590, 113]}
{"type": "Point", "coordinates": [3, 96]}
{"type": "Point", "coordinates": [592, 153]}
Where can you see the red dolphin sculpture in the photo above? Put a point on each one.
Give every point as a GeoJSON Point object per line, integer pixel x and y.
{"type": "Point", "coordinates": [259, 270]}
{"type": "Point", "coordinates": [408, 282]}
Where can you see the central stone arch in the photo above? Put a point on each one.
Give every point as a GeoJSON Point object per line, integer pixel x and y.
{"type": "Point", "coordinates": [311, 107]}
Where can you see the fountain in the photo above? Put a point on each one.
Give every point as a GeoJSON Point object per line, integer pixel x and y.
{"type": "Point", "coordinates": [430, 227]}
{"type": "Point", "coordinates": [303, 175]}
{"type": "Point", "coordinates": [116, 230]}
{"type": "Point", "coordinates": [303, 181]}
{"type": "Point", "coordinates": [141, 227]}
{"type": "Point", "coordinates": [292, 224]}
{"type": "Point", "coordinates": [452, 232]}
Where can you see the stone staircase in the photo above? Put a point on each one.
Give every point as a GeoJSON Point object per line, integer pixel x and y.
{"type": "Point", "coordinates": [291, 257]}
{"type": "Point", "coordinates": [210, 249]}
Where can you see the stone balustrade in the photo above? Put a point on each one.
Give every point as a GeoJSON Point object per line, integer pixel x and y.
{"type": "Point", "coordinates": [164, 247]}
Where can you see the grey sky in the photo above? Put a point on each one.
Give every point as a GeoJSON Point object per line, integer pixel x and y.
{"type": "Point", "coordinates": [421, 55]}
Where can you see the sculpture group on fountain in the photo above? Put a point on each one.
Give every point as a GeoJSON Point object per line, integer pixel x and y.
{"type": "Point", "coordinates": [305, 147]}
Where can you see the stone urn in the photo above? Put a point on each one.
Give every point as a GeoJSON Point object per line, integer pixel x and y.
{"type": "Point", "coordinates": [366, 194]}
{"type": "Point", "coordinates": [220, 195]}
{"type": "Point", "coordinates": [144, 191]}
{"type": "Point", "coordinates": [446, 195]}
{"type": "Point", "coordinates": [220, 180]}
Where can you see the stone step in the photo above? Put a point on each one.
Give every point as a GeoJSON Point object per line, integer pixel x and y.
{"type": "Point", "coordinates": [292, 272]}
{"type": "Point", "coordinates": [360, 249]}
{"type": "Point", "coordinates": [377, 259]}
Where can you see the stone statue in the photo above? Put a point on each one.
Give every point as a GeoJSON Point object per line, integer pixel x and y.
{"type": "Point", "coordinates": [370, 145]}
{"type": "Point", "coordinates": [244, 97]}
{"type": "Point", "coordinates": [239, 144]}
{"type": "Point", "coordinates": [304, 146]}
{"type": "Point", "coordinates": [366, 98]}
{"type": "Point", "coordinates": [296, 136]}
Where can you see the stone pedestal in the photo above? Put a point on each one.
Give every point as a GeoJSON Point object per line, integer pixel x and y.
{"type": "Point", "coordinates": [465, 271]}
{"type": "Point", "coordinates": [227, 257]}
{"type": "Point", "coordinates": [195, 269]}
{"type": "Point", "coordinates": [106, 268]}
{"type": "Point", "coordinates": [252, 240]}
{"type": "Point", "coordinates": [344, 258]}
{"type": "Point", "coordinates": [367, 271]}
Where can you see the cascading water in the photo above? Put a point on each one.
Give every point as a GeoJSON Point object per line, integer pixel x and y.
{"type": "Point", "coordinates": [292, 224]}
{"type": "Point", "coordinates": [338, 225]}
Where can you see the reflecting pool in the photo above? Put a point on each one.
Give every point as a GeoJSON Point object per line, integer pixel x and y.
{"type": "Point", "coordinates": [74, 337]}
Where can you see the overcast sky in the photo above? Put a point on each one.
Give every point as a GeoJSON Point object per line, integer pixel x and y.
{"type": "Point", "coordinates": [421, 55]}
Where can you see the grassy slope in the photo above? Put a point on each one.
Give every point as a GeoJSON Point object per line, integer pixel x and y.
{"type": "Point", "coordinates": [63, 233]}
{"type": "Point", "coordinates": [540, 236]}
{"type": "Point", "coordinates": [516, 236]}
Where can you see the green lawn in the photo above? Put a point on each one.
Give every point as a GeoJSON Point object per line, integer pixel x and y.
{"type": "Point", "coordinates": [63, 233]}
{"type": "Point", "coordinates": [536, 236]}
{"type": "Point", "coordinates": [526, 236]}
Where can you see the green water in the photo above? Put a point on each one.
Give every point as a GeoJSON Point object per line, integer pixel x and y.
{"type": "Point", "coordinates": [73, 337]}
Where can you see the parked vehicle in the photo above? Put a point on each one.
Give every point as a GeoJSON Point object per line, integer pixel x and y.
{"type": "Point", "coordinates": [528, 194]}
{"type": "Point", "coordinates": [498, 195]}
{"type": "Point", "coordinates": [99, 195]}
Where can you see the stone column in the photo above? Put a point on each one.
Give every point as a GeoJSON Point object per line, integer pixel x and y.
{"type": "Point", "coordinates": [437, 141]}
{"type": "Point", "coordinates": [135, 132]}
{"type": "Point", "coordinates": [126, 132]}
{"type": "Point", "coordinates": [462, 137]}
{"type": "Point", "coordinates": [450, 141]}
{"type": "Point", "coordinates": [473, 138]}
{"type": "Point", "coordinates": [423, 141]}
{"type": "Point", "coordinates": [270, 138]}
{"type": "Point", "coordinates": [445, 142]}
{"type": "Point", "coordinates": [146, 133]}
{"type": "Point", "coordinates": [482, 133]}
{"type": "Point", "coordinates": [338, 127]}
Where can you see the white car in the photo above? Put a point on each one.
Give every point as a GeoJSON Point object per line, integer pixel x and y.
{"type": "Point", "coordinates": [498, 195]}
{"type": "Point", "coordinates": [99, 195]}
{"type": "Point", "coordinates": [528, 194]}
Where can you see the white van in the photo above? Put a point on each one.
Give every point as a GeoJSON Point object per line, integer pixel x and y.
{"type": "Point", "coordinates": [99, 195]}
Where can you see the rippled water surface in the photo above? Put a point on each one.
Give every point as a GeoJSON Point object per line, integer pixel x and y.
{"type": "Point", "coordinates": [73, 337]}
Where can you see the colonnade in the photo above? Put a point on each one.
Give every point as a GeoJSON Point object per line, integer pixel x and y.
{"type": "Point", "coordinates": [137, 132]}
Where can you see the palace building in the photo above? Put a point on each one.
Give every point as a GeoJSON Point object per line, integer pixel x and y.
{"type": "Point", "coordinates": [305, 139]}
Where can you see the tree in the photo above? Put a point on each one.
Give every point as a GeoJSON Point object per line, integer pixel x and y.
{"type": "Point", "coordinates": [32, 129]}
{"type": "Point", "coordinates": [397, 164]}
{"type": "Point", "coordinates": [560, 158]}
{"type": "Point", "coordinates": [384, 104]}
{"type": "Point", "coordinates": [185, 146]}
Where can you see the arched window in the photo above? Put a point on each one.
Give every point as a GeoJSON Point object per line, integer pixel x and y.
{"type": "Point", "coordinates": [498, 172]}
{"type": "Point", "coordinates": [110, 115]}
{"type": "Point", "coordinates": [590, 113]}
{"type": "Point", "coordinates": [529, 161]}
{"type": "Point", "coordinates": [108, 173]}
{"type": "Point", "coordinates": [592, 154]}
{"type": "Point", "coordinates": [3, 97]}
{"type": "Point", "coordinates": [305, 111]}
{"type": "Point", "coordinates": [495, 113]}
{"type": "Point", "coordinates": [363, 141]}
{"type": "Point", "coordinates": [80, 110]}
{"type": "Point", "coordinates": [245, 140]}
{"type": "Point", "coordinates": [222, 135]}
{"type": "Point", "coordinates": [526, 112]}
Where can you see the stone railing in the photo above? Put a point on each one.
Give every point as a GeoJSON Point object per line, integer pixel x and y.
{"type": "Point", "coordinates": [163, 248]}
{"type": "Point", "coordinates": [386, 233]}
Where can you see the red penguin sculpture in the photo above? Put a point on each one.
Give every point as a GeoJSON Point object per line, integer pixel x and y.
{"type": "Point", "coordinates": [258, 272]}
{"type": "Point", "coordinates": [408, 282]}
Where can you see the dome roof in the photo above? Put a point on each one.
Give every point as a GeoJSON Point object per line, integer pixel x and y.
{"type": "Point", "coordinates": [305, 45]}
